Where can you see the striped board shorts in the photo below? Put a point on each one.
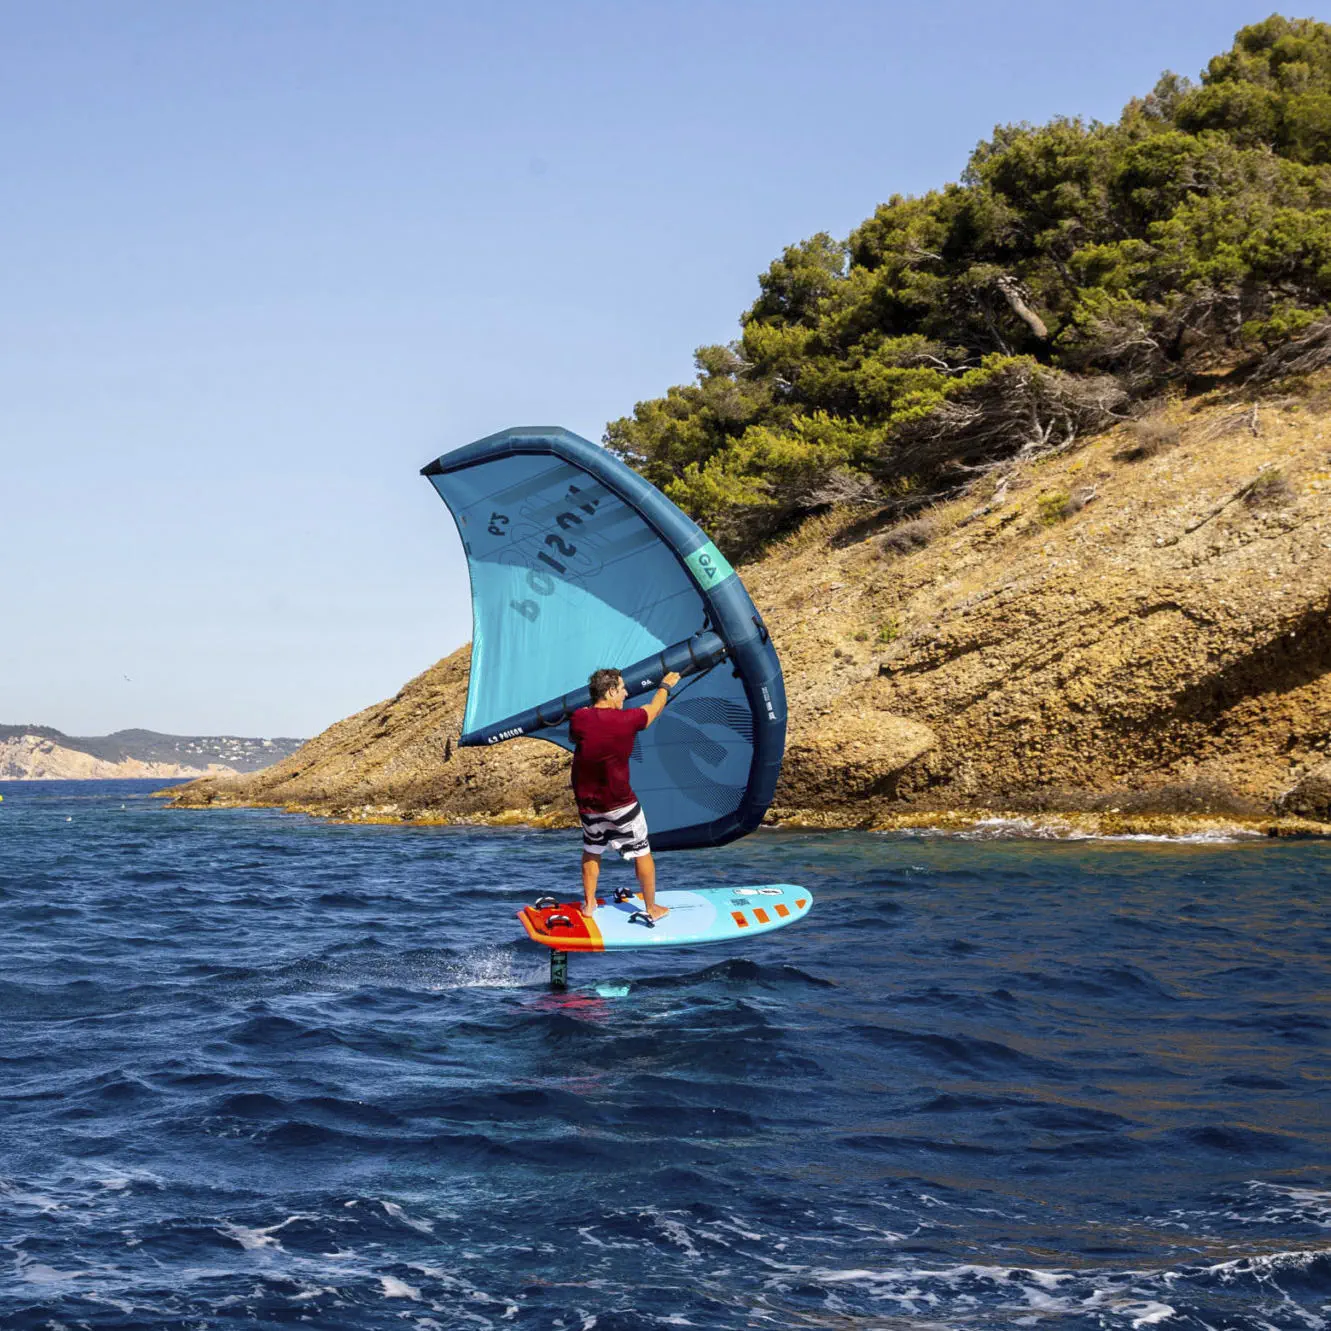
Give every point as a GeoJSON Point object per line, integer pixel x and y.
{"type": "Point", "coordinates": [623, 830]}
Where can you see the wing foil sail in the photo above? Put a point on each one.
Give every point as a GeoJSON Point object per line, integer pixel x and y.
{"type": "Point", "coordinates": [577, 563]}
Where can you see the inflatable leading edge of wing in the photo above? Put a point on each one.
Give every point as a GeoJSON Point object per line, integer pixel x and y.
{"type": "Point", "coordinates": [577, 563]}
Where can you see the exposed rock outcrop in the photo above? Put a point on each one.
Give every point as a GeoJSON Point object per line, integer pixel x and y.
{"type": "Point", "coordinates": [859, 751]}
{"type": "Point", "coordinates": [1311, 796]}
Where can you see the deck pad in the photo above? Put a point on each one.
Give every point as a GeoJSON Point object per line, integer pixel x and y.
{"type": "Point", "coordinates": [701, 915]}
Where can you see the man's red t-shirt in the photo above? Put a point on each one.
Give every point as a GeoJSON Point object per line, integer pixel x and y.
{"type": "Point", "coordinates": [604, 736]}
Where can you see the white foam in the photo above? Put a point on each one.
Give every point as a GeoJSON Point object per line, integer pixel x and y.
{"type": "Point", "coordinates": [399, 1289]}
{"type": "Point", "coordinates": [254, 1240]}
{"type": "Point", "coordinates": [1309, 1205]}
{"type": "Point", "coordinates": [421, 1226]}
{"type": "Point", "coordinates": [1213, 837]}
{"type": "Point", "coordinates": [1055, 829]}
{"type": "Point", "coordinates": [42, 1204]}
{"type": "Point", "coordinates": [1148, 1313]}
{"type": "Point", "coordinates": [912, 1288]}
{"type": "Point", "coordinates": [675, 1231]}
{"type": "Point", "coordinates": [1027, 1296]}
{"type": "Point", "coordinates": [462, 1288]}
{"type": "Point", "coordinates": [93, 1296]}
{"type": "Point", "coordinates": [117, 1179]}
{"type": "Point", "coordinates": [1265, 1265]}
{"type": "Point", "coordinates": [732, 1224]}
{"type": "Point", "coordinates": [38, 1273]}
{"type": "Point", "coordinates": [489, 968]}
{"type": "Point", "coordinates": [1266, 1204]}
{"type": "Point", "coordinates": [587, 1236]}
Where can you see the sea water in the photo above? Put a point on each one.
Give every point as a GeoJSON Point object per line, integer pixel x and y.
{"type": "Point", "coordinates": [259, 1070]}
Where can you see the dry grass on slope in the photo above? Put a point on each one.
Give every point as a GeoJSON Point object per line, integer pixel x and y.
{"type": "Point", "coordinates": [1118, 626]}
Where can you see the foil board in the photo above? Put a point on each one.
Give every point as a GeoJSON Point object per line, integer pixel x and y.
{"type": "Point", "coordinates": [697, 916]}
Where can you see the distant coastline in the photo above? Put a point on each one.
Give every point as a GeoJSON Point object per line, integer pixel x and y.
{"type": "Point", "coordinates": [42, 753]}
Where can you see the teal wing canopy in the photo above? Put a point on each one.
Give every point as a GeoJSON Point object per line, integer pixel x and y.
{"type": "Point", "coordinates": [577, 563]}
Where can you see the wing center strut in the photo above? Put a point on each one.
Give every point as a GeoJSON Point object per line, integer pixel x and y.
{"type": "Point", "coordinates": [693, 656]}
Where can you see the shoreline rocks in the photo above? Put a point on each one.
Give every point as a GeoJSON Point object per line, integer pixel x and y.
{"type": "Point", "coordinates": [993, 823]}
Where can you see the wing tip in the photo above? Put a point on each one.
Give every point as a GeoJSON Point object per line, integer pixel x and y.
{"type": "Point", "coordinates": [466, 454]}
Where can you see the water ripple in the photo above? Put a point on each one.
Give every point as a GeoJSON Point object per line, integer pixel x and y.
{"type": "Point", "coordinates": [256, 1070]}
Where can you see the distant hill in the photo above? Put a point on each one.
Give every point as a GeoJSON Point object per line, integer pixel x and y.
{"type": "Point", "coordinates": [30, 752]}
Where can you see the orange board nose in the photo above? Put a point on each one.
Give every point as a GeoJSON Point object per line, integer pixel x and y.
{"type": "Point", "coordinates": [579, 935]}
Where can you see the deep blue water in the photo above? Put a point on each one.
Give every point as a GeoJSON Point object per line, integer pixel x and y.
{"type": "Point", "coordinates": [259, 1070]}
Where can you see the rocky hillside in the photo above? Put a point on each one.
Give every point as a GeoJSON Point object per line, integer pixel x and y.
{"type": "Point", "coordinates": [36, 753]}
{"type": "Point", "coordinates": [1127, 633]}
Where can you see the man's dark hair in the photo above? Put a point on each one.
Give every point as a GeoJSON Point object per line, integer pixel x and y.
{"type": "Point", "coordinates": [602, 682]}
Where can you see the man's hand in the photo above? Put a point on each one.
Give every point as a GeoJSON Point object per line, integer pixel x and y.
{"type": "Point", "coordinates": [653, 708]}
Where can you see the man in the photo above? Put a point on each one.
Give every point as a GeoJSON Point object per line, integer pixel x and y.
{"type": "Point", "coordinates": [609, 810]}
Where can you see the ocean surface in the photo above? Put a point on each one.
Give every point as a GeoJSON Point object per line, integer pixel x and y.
{"type": "Point", "coordinates": [257, 1070]}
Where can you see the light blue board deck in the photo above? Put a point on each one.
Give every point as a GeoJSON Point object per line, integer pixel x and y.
{"type": "Point", "coordinates": [702, 915]}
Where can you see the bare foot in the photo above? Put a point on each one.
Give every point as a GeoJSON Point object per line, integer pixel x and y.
{"type": "Point", "coordinates": [587, 912]}
{"type": "Point", "coordinates": [659, 912]}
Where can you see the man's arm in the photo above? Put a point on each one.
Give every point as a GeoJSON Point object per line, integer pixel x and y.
{"type": "Point", "coordinates": [653, 708]}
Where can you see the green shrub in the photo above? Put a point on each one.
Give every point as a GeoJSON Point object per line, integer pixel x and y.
{"type": "Point", "coordinates": [1053, 507]}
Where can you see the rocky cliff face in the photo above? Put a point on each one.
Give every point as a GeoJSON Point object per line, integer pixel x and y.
{"type": "Point", "coordinates": [1134, 629]}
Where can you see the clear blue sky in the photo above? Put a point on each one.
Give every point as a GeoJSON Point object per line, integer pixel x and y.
{"type": "Point", "coordinates": [265, 258]}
